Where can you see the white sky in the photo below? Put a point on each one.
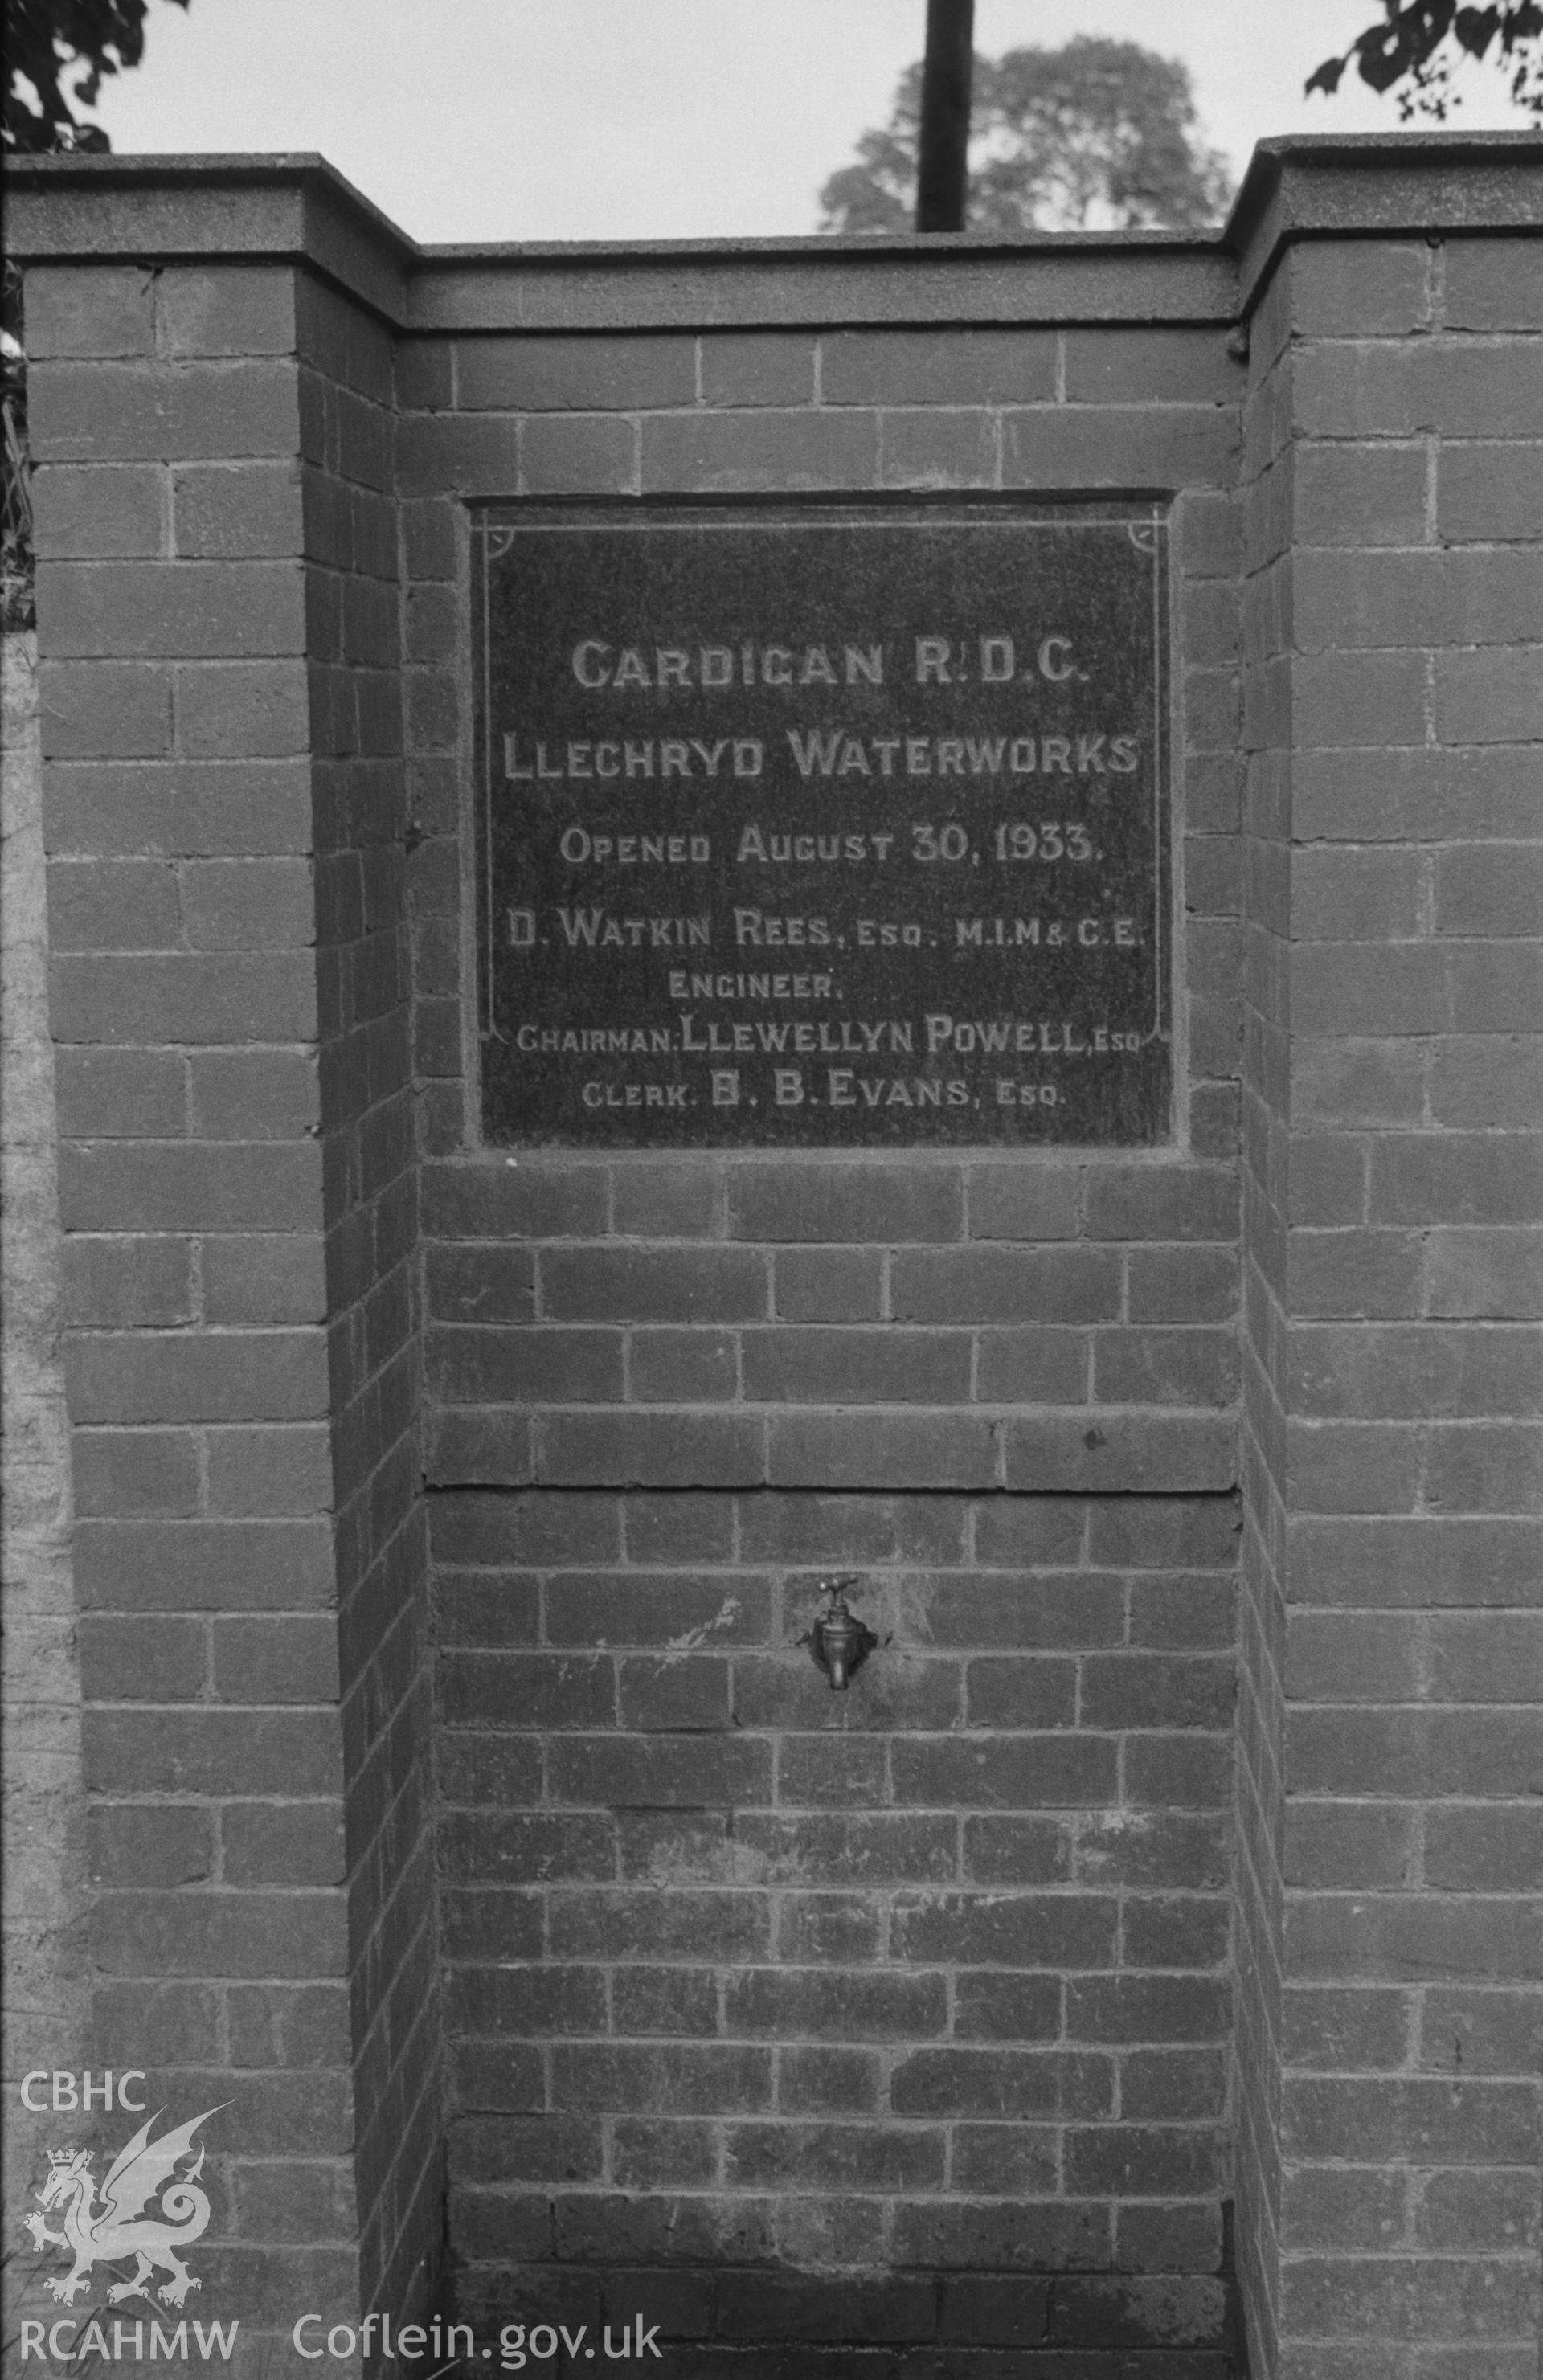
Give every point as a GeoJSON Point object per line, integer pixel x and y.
{"type": "Point", "coordinates": [664, 119]}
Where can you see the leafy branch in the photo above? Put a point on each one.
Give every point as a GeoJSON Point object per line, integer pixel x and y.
{"type": "Point", "coordinates": [1415, 49]}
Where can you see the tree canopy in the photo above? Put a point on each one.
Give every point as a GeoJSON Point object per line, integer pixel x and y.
{"type": "Point", "coordinates": [1418, 44]}
{"type": "Point", "coordinates": [1096, 136]}
{"type": "Point", "coordinates": [57, 53]}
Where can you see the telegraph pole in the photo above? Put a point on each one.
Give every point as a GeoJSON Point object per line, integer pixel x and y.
{"type": "Point", "coordinates": [942, 159]}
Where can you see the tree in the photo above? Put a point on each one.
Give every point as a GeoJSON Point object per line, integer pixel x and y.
{"type": "Point", "coordinates": [1414, 50]}
{"type": "Point", "coordinates": [58, 53]}
{"type": "Point", "coordinates": [1096, 136]}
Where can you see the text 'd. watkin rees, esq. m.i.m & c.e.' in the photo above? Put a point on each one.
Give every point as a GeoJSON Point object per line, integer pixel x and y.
{"type": "Point", "coordinates": [822, 827]}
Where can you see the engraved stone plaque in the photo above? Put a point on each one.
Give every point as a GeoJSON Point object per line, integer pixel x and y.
{"type": "Point", "coordinates": [823, 826]}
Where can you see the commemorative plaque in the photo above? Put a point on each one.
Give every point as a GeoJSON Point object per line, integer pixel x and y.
{"type": "Point", "coordinates": [825, 825]}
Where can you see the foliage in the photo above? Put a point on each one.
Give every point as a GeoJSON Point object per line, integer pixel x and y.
{"type": "Point", "coordinates": [1096, 136]}
{"type": "Point", "coordinates": [57, 53]}
{"type": "Point", "coordinates": [16, 493]}
{"type": "Point", "coordinates": [1414, 50]}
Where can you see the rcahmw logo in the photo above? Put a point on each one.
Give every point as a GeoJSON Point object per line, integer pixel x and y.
{"type": "Point", "coordinates": [150, 2209]}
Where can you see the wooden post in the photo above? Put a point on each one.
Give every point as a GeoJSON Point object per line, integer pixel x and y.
{"type": "Point", "coordinates": [942, 159]}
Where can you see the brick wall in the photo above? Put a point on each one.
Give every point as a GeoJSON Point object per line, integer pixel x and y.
{"type": "Point", "coordinates": [795, 2017]}
{"type": "Point", "coordinates": [373, 1338]}
{"type": "Point", "coordinates": [1004, 1841]}
{"type": "Point", "coordinates": [224, 815]}
{"type": "Point", "coordinates": [1396, 577]}
{"type": "Point", "coordinates": [743, 1976]}
{"type": "Point", "coordinates": [1266, 1118]}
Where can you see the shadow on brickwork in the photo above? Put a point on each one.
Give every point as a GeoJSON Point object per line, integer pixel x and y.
{"type": "Point", "coordinates": [760, 2324]}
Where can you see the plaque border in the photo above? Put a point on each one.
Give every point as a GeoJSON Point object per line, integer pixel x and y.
{"type": "Point", "coordinates": [1148, 516]}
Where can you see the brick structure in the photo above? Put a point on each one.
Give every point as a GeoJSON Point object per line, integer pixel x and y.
{"type": "Point", "coordinates": [950, 2015]}
{"type": "Point", "coordinates": [1391, 1837]}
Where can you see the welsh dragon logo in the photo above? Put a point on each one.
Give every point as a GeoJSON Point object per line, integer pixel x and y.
{"type": "Point", "coordinates": [121, 2226]}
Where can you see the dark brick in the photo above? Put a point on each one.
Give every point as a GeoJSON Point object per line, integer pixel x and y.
{"type": "Point", "coordinates": [975, 367]}
{"type": "Point", "coordinates": [757, 368]}
{"type": "Point", "coordinates": [525, 2000]}
{"type": "Point", "coordinates": [687, 1366]}
{"type": "Point", "coordinates": [887, 2158]}
{"type": "Point", "coordinates": [517, 2148]}
{"type": "Point", "coordinates": [818, 2081]}
{"type": "Point", "coordinates": [150, 1844]}
{"type": "Point", "coordinates": [1175, 2310]}
{"type": "Point", "coordinates": [612, 1610]}
{"type": "Point", "coordinates": [1000, 1285]}
{"type": "Point", "coordinates": [538, 1690]}
{"type": "Point", "coordinates": [649, 2154]}
{"type": "Point", "coordinates": [263, 1278]}
{"type": "Point", "coordinates": [232, 1933]}
{"type": "Point", "coordinates": [104, 710]}
{"type": "Point", "coordinates": [269, 1473]}
{"type": "Point", "coordinates": [144, 1658]}
{"type": "Point", "coordinates": [661, 1771]}
{"type": "Point", "coordinates": [1167, 367]}
{"type": "Point", "coordinates": [900, 1847]}
{"type": "Point", "coordinates": [834, 1528]}
{"type": "Point", "coordinates": [675, 1448]}
{"type": "Point", "coordinates": [674, 1692]}
{"type": "Point", "coordinates": [291, 1843]}
{"type": "Point", "coordinates": [1006, 2235]}
{"type": "Point", "coordinates": [875, 2005]}
{"type": "Point", "coordinates": [1480, 2031]}
{"type": "Point", "coordinates": [1001, 1930]}
{"type": "Point", "coordinates": [1015, 1202]}
{"type": "Point", "coordinates": [231, 311]}
{"type": "Point", "coordinates": [679, 1528]}
{"type": "Point", "coordinates": [1108, 446]}
{"type": "Point", "coordinates": [985, 2310]}
{"type": "Point", "coordinates": [1067, 1608]}
{"type": "Point", "coordinates": [1018, 1850]}
{"type": "Point", "coordinates": [1181, 1930]}
{"type": "Point", "coordinates": [537, 1528]}
{"type": "Point", "coordinates": [1008, 1693]}
{"type": "Point", "coordinates": [219, 1751]}
{"type": "Point", "coordinates": [229, 512]}
{"type": "Point", "coordinates": [1165, 1532]}
{"type": "Point", "coordinates": [1121, 1450]}
{"type": "Point", "coordinates": [831, 1928]}
{"type": "Point", "coordinates": [829, 1284]}
{"type": "Point", "coordinates": [1155, 1690]}
{"type": "Point", "coordinates": [135, 1473]}
{"type": "Point", "coordinates": [1033, 1366]}
{"type": "Point", "coordinates": [171, 610]}
{"type": "Point", "coordinates": [93, 310]}
{"type": "Point", "coordinates": [483, 1365]}
{"type": "Point", "coordinates": [776, 452]}
{"type": "Point", "coordinates": [882, 1448]}
{"type": "Point", "coordinates": [780, 1691]}
{"type": "Point", "coordinates": [1005, 1772]}
{"type": "Point", "coordinates": [1146, 2007]}
{"type": "Point", "coordinates": [524, 1847]}
{"type": "Point", "coordinates": [696, 2078]}
{"type": "Point", "coordinates": [536, 374]}
{"type": "Point", "coordinates": [292, 1659]}
{"type": "Point", "coordinates": [813, 1202]}
{"type": "Point", "coordinates": [1129, 2160]}
{"type": "Point", "coordinates": [664, 1999]}
{"type": "Point", "coordinates": [832, 1367]}
{"type": "Point", "coordinates": [1007, 2007]}
{"type": "Point", "coordinates": [496, 2076]}
{"type": "Point", "coordinates": [842, 1771]}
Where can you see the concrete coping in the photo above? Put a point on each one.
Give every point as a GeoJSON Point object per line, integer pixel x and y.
{"type": "Point", "coordinates": [299, 209]}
